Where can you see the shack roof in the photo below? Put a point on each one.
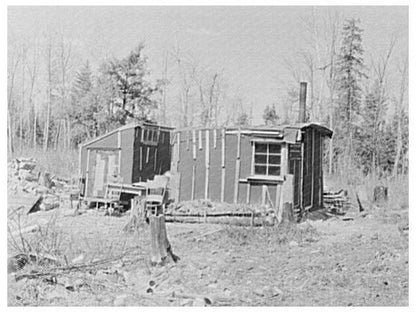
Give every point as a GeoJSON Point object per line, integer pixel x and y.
{"type": "Point", "coordinates": [289, 132]}
{"type": "Point", "coordinates": [126, 127]}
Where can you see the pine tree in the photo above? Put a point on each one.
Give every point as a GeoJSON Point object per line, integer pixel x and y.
{"type": "Point", "coordinates": [270, 115]}
{"type": "Point", "coordinates": [133, 91]}
{"type": "Point", "coordinates": [350, 73]}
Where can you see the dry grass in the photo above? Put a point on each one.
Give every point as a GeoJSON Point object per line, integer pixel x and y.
{"type": "Point", "coordinates": [398, 189]}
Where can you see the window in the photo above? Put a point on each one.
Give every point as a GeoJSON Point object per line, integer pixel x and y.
{"type": "Point", "coordinates": [267, 159]}
{"type": "Point", "coordinates": [150, 136]}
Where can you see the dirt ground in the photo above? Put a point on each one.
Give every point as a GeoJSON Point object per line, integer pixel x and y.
{"type": "Point", "coordinates": [358, 261]}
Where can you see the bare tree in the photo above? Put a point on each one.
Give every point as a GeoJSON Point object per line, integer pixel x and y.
{"type": "Point", "coordinates": [12, 68]}
{"type": "Point", "coordinates": [49, 94]}
{"type": "Point", "coordinates": [403, 70]}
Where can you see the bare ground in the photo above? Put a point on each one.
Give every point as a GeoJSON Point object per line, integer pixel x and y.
{"type": "Point", "coordinates": [360, 262]}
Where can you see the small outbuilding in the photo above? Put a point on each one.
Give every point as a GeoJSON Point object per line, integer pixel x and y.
{"type": "Point", "coordinates": [130, 154]}
{"type": "Point", "coordinates": [268, 166]}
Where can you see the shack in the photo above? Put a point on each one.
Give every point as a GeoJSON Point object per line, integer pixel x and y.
{"type": "Point", "coordinates": [126, 156]}
{"type": "Point", "coordinates": [256, 166]}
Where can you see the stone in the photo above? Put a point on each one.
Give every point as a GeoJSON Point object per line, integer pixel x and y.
{"type": "Point", "coordinates": [293, 244]}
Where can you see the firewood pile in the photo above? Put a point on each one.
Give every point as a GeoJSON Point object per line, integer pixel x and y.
{"type": "Point", "coordinates": [336, 202]}
{"type": "Point", "coordinates": [26, 178]}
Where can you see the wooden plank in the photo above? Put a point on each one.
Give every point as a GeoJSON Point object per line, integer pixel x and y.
{"type": "Point", "coordinates": [193, 181]}
{"type": "Point", "coordinates": [200, 139]}
{"type": "Point", "coordinates": [301, 176]}
{"type": "Point", "coordinates": [155, 166]}
{"type": "Point", "coordinates": [313, 165]}
{"type": "Point", "coordinates": [119, 152]}
{"type": "Point", "coordinates": [263, 194]}
{"type": "Point", "coordinates": [284, 168]}
{"type": "Point", "coordinates": [206, 163]}
{"type": "Point", "coordinates": [87, 173]}
{"type": "Point", "coordinates": [193, 144]}
{"type": "Point", "coordinates": [278, 197]}
{"type": "Point", "coordinates": [237, 166]}
{"type": "Point", "coordinates": [248, 193]}
{"type": "Point", "coordinates": [147, 154]}
{"type": "Point", "coordinates": [215, 138]}
{"type": "Point", "coordinates": [141, 158]}
{"type": "Point", "coordinates": [79, 161]}
{"type": "Point", "coordinates": [222, 164]}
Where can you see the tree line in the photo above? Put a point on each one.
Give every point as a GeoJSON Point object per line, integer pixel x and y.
{"type": "Point", "coordinates": [365, 104]}
{"type": "Point", "coordinates": [55, 103]}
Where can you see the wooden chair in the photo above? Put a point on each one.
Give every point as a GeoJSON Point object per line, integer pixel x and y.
{"type": "Point", "coordinates": [155, 195]}
{"type": "Point", "coordinates": [113, 197]}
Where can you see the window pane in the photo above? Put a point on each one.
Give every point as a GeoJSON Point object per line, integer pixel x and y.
{"type": "Point", "coordinates": [274, 160]}
{"type": "Point", "coordinates": [260, 159]}
{"type": "Point", "coordinates": [145, 135]}
{"type": "Point", "coordinates": [261, 148]}
{"type": "Point", "coordinates": [274, 171]}
{"type": "Point", "coordinates": [154, 136]}
{"type": "Point", "coordinates": [274, 148]}
{"type": "Point", "coordinates": [260, 170]}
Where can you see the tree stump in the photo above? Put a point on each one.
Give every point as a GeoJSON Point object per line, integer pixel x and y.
{"type": "Point", "coordinates": [160, 246]}
{"type": "Point", "coordinates": [137, 214]}
{"type": "Point", "coordinates": [380, 194]}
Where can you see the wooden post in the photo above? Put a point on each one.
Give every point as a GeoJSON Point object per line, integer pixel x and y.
{"type": "Point", "coordinates": [200, 139]}
{"type": "Point", "coordinates": [248, 193]}
{"type": "Point", "coordinates": [119, 151]}
{"type": "Point", "coordinates": [194, 164]}
{"type": "Point", "coordinates": [215, 138]}
{"type": "Point", "coordinates": [222, 164]}
{"type": "Point", "coordinates": [87, 172]}
{"type": "Point", "coordinates": [206, 163]}
{"type": "Point", "coordinates": [141, 158]}
{"type": "Point", "coordinates": [313, 165]}
{"type": "Point", "coordinates": [237, 167]}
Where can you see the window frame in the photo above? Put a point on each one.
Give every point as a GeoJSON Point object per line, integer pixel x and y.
{"type": "Point", "coordinates": [267, 164]}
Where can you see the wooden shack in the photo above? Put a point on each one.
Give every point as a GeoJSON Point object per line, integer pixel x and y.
{"type": "Point", "coordinates": [130, 154]}
{"type": "Point", "coordinates": [267, 166]}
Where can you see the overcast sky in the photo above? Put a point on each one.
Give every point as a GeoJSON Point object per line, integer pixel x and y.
{"type": "Point", "coordinates": [249, 44]}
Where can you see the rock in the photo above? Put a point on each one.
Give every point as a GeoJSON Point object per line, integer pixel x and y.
{"type": "Point", "coordinates": [120, 300]}
{"type": "Point", "coordinates": [293, 244]}
{"type": "Point", "coordinates": [276, 291]}
{"type": "Point", "coordinates": [186, 303]}
{"type": "Point", "coordinates": [78, 259]}
{"type": "Point", "coordinates": [199, 302]}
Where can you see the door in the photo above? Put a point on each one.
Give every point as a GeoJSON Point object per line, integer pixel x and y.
{"type": "Point", "coordinates": [103, 169]}
{"type": "Point", "coordinates": [295, 170]}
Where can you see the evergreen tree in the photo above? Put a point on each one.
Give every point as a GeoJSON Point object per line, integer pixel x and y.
{"type": "Point", "coordinates": [350, 73]}
{"type": "Point", "coordinates": [84, 106]}
{"type": "Point", "coordinates": [134, 94]}
{"type": "Point", "coordinates": [270, 116]}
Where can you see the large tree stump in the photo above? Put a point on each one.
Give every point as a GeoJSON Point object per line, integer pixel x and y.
{"type": "Point", "coordinates": [137, 214]}
{"type": "Point", "coordinates": [160, 246]}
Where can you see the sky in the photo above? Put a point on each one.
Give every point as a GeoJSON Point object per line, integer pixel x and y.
{"type": "Point", "coordinates": [249, 45]}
